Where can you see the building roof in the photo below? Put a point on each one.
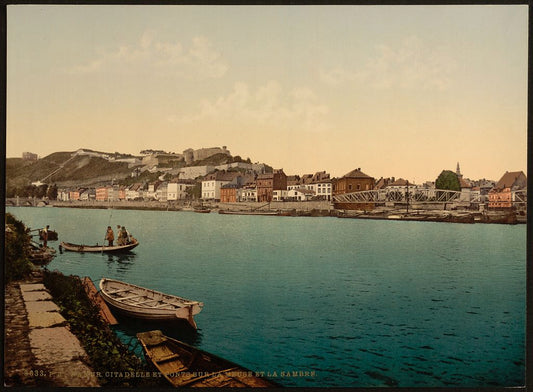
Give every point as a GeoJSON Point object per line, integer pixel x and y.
{"type": "Point", "coordinates": [307, 179]}
{"type": "Point", "coordinates": [400, 182]}
{"type": "Point", "coordinates": [305, 191]}
{"type": "Point", "coordinates": [221, 176]}
{"type": "Point", "coordinates": [356, 173]}
{"type": "Point", "coordinates": [320, 177]}
{"type": "Point", "coordinates": [509, 179]}
{"type": "Point", "coordinates": [293, 180]}
{"type": "Point", "coordinates": [464, 183]}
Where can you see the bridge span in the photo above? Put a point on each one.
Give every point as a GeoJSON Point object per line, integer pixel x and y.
{"type": "Point", "coordinates": [421, 196]}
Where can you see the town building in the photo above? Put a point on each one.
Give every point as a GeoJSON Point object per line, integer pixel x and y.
{"type": "Point", "coordinates": [248, 193]}
{"type": "Point", "coordinates": [268, 182]}
{"type": "Point", "coordinates": [300, 194]}
{"type": "Point", "coordinates": [501, 196]}
{"type": "Point", "coordinates": [150, 193]}
{"type": "Point", "coordinates": [177, 190]}
{"type": "Point", "coordinates": [213, 182]}
{"type": "Point", "coordinates": [229, 193]}
{"type": "Point", "coordinates": [161, 192]}
{"type": "Point", "coordinates": [134, 192]}
{"type": "Point", "coordinates": [354, 181]}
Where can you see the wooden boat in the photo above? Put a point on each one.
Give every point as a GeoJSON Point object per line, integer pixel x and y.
{"type": "Point", "coordinates": [52, 235]}
{"type": "Point", "coordinates": [140, 302]}
{"type": "Point", "coordinates": [202, 210]}
{"type": "Point", "coordinates": [39, 255]}
{"type": "Point", "coordinates": [98, 248]}
{"type": "Point", "coordinates": [96, 298]}
{"type": "Point", "coordinates": [186, 366]}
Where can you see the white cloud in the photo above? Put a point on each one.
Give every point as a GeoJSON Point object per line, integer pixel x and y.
{"type": "Point", "coordinates": [198, 61]}
{"type": "Point", "coordinates": [269, 106]}
{"type": "Point", "coordinates": [412, 65]}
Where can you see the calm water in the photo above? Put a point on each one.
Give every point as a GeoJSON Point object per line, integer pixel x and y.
{"type": "Point", "coordinates": [354, 303]}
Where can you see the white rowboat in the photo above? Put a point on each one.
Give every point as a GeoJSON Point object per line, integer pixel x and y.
{"type": "Point", "coordinates": [140, 302]}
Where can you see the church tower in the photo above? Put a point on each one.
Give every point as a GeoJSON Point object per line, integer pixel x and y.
{"type": "Point", "coordinates": [458, 171]}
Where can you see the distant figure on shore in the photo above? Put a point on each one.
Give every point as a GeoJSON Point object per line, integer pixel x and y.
{"type": "Point", "coordinates": [45, 236]}
{"type": "Point", "coordinates": [109, 236]}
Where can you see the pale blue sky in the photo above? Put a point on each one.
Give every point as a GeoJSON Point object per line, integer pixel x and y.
{"type": "Point", "coordinates": [403, 91]}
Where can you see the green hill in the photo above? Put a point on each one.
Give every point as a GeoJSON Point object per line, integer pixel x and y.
{"type": "Point", "coordinates": [63, 169]}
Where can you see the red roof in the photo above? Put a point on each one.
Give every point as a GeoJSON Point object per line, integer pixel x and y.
{"type": "Point", "coordinates": [356, 173]}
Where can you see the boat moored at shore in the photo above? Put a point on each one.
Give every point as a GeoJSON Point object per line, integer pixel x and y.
{"type": "Point", "coordinates": [144, 303]}
{"type": "Point", "coordinates": [186, 366]}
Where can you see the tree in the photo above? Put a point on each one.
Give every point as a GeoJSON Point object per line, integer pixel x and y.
{"type": "Point", "coordinates": [195, 192]}
{"type": "Point", "coordinates": [448, 180]}
{"type": "Point", "coordinates": [17, 242]}
{"type": "Point", "coordinates": [52, 192]}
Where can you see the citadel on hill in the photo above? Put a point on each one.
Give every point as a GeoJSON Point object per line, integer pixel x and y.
{"type": "Point", "coordinates": [213, 175]}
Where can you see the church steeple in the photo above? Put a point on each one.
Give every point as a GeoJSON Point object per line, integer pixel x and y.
{"type": "Point", "coordinates": [458, 171]}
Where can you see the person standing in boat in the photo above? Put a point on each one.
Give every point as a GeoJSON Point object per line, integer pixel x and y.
{"type": "Point", "coordinates": [120, 238]}
{"type": "Point", "coordinates": [110, 236]}
{"type": "Point", "coordinates": [44, 235]}
{"type": "Point", "coordinates": [125, 235]}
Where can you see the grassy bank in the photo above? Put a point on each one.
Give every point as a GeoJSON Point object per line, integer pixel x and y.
{"type": "Point", "coordinates": [107, 354]}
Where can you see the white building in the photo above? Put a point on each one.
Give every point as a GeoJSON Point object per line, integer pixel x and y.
{"type": "Point", "coordinates": [151, 192]}
{"type": "Point", "coordinates": [300, 194]}
{"type": "Point", "coordinates": [161, 192]}
{"type": "Point", "coordinates": [178, 190]}
{"type": "Point", "coordinates": [247, 193]}
{"type": "Point", "coordinates": [213, 182]}
{"type": "Point", "coordinates": [279, 194]}
{"type": "Point", "coordinates": [134, 192]}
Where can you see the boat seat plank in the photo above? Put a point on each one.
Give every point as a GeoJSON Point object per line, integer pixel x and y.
{"type": "Point", "coordinates": [117, 291]}
{"type": "Point", "coordinates": [130, 297]}
{"type": "Point", "coordinates": [167, 357]}
{"type": "Point", "coordinates": [145, 302]}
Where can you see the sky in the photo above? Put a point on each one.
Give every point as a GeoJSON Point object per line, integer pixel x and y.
{"type": "Point", "coordinates": [398, 91]}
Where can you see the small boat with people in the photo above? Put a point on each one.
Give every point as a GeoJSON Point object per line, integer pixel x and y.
{"type": "Point", "coordinates": [98, 248]}
{"type": "Point", "coordinates": [187, 366]}
{"type": "Point", "coordinates": [148, 304]}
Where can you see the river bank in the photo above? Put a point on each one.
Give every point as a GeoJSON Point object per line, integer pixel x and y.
{"type": "Point", "coordinates": [311, 209]}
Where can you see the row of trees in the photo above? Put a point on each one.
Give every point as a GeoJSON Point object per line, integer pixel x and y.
{"type": "Point", "coordinates": [41, 191]}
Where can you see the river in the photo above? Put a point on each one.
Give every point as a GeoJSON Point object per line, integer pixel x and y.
{"type": "Point", "coordinates": [324, 301]}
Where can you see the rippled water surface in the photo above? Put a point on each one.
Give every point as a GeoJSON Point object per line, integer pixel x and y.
{"type": "Point", "coordinates": [348, 303]}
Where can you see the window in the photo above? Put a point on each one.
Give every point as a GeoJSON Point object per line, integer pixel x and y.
{"type": "Point", "coordinates": [358, 186]}
{"type": "Point", "coordinates": [350, 187]}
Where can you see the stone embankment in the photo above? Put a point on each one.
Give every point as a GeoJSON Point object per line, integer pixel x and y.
{"type": "Point", "coordinates": [40, 350]}
{"type": "Point", "coordinates": [313, 209]}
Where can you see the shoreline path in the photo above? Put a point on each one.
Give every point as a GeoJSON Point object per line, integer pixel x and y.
{"type": "Point", "coordinates": [39, 348]}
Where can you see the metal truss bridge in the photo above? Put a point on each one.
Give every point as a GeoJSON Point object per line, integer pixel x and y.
{"type": "Point", "coordinates": [419, 196]}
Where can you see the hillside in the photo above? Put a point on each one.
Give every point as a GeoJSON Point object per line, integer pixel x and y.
{"type": "Point", "coordinates": [78, 170]}
{"type": "Point", "coordinates": [65, 169]}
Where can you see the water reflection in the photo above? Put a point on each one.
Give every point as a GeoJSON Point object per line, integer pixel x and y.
{"type": "Point", "coordinates": [121, 263]}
